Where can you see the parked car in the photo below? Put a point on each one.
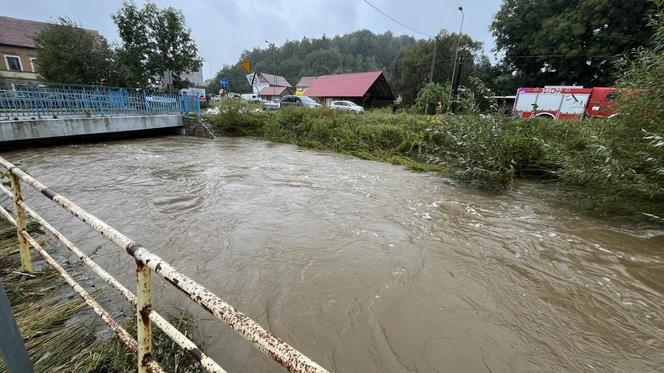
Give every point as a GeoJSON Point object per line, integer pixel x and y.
{"type": "Point", "coordinates": [346, 105]}
{"type": "Point", "coordinates": [304, 101]}
{"type": "Point", "coordinates": [270, 105]}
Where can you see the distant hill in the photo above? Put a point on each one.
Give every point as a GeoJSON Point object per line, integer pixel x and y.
{"type": "Point", "coordinates": [358, 51]}
{"type": "Point", "coordinates": [405, 60]}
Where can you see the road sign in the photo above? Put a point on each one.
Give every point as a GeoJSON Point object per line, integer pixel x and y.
{"type": "Point", "coordinates": [223, 82]}
{"type": "Point", "coordinates": [246, 65]}
{"type": "Point", "coordinates": [168, 77]}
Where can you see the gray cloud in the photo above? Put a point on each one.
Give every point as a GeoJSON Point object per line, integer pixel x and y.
{"type": "Point", "coordinates": [223, 29]}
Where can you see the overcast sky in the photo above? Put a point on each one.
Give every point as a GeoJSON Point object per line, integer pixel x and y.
{"type": "Point", "coordinates": [224, 28]}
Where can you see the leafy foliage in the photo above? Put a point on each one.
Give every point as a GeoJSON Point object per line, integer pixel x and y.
{"type": "Point", "coordinates": [476, 98]}
{"type": "Point", "coordinates": [136, 43]}
{"type": "Point", "coordinates": [155, 40]}
{"type": "Point", "coordinates": [431, 95]}
{"type": "Point", "coordinates": [412, 67]}
{"type": "Point", "coordinates": [554, 42]}
{"type": "Point", "coordinates": [69, 54]}
{"type": "Point", "coordinates": [630, 155]}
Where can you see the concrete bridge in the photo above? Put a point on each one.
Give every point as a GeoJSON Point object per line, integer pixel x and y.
{"type": "Point", "coordinates": [36, 113]}
{"type": "Point", "coordinates": [23, 130]}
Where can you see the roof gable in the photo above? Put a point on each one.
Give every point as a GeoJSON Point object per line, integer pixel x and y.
{"type": "Point", "coordinates": [274, 80]}
{"type": "Point", "coordinates": [343, 85]}
{"type": "Point", "coordinates": [21, 32]}
{"type": "Point", "coordinates": [306, 81]}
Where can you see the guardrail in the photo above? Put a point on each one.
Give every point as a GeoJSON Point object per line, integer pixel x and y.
{"type": "Point", "coordinates": [43, 102]}
{"type": "Point", "coordinates": [146, 263]}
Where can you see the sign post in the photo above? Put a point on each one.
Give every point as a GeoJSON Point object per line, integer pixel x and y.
{"type": "Point", "coordinates": [246, 65]}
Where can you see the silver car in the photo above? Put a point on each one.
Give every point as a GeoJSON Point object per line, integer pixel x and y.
{"type": "Point", "coordinates": [346, 105]}
{"type": "Point", "coordinates": [304, 101]}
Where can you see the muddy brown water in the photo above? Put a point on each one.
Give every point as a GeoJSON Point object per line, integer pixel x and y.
{"type": "Point", "coordinates": [365, 266]}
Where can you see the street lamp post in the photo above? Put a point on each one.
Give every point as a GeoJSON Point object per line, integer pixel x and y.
{"type": "Point", "coordinates": [274, 63]}
{"type": "Point", "coordinates": [456, 57]}
{"type": "Point", "coordinates": [433, 64]}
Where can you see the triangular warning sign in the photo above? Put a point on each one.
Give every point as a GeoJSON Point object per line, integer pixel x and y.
{"type": "Point", "coordinates": [246, 65]}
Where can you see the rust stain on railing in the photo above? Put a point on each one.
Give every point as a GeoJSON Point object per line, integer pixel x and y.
{"type": "Point", "coordinates": [146, 262]}
{"type": "Point", "coordinates": [179, 338]}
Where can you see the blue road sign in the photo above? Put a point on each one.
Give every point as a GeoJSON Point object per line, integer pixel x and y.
{"type": "Point", "coordinates": [223, 82]}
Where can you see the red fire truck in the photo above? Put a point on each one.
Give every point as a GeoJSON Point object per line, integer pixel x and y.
{"type": "Point", "coordinates": [565, 102]}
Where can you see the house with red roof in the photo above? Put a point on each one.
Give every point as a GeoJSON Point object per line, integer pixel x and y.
{"type": "Point", "coordinates": [367, 89]}
{"type": "Point", "coordinates": [19, 50]}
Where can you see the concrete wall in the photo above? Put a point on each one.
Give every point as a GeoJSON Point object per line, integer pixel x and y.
{"type": "Point", "coordinates": [22, 130]}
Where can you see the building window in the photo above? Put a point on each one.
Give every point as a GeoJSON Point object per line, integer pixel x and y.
{"type": "Point", "coordinates": [33, 60]}
{"type": "Point", "coordinates": [13, 63]}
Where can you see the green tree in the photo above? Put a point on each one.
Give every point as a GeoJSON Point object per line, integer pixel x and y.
{"type": "Point", "coordinates": [175, 50]}
{"type": "Point", "coordinates": [412, 66]}
{"type": "Point", "coordinates": [432, 94]}
{"type": "Point", "coordinates": [154, 41]}
{"type": "Point", "coordinates": [137, 44]}
{"type": "Point", "coordinates": [69, 54]}
{"type": "Point", "coordinates": [573, 42]}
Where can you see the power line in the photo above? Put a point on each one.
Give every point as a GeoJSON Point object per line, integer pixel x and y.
{"type": "Point", "coordinates": [396, 20]}
{"type": "Point", "coordinates": [566, 56]}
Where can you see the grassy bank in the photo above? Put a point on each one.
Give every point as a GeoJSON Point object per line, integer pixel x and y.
{"type": "Point", "coordinates": [605, 166]}
{"type": "Point", "coordinates": [43, 309]}
{"type": "Point", "coordinates": [60, 331]}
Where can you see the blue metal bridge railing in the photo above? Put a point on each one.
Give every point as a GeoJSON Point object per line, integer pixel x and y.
{"type": "Point", "coordinates": [20, 102]}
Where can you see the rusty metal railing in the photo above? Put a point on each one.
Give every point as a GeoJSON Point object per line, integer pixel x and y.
{"type": "Point", "coordinates": [146, 263]}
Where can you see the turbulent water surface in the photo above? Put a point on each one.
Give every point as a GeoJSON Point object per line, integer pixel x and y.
{"type": "Point", "coordinates": [365, 266]}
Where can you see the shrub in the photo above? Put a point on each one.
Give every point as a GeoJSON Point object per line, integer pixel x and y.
{"type": "Point", "coordinates": [237, 118]}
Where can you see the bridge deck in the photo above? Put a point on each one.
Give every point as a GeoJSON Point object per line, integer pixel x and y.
{"type": "Point", "coordinates": [42, 129]}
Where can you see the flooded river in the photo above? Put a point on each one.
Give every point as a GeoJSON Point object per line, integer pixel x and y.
{"type": "Point", "coordinates": [365, 266]}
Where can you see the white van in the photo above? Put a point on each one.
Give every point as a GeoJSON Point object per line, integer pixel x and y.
{"type": "Point", "coordinates": [251, 97]}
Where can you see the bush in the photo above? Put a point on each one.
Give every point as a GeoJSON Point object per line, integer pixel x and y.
{"type": "Point", "coordinates": [237, 118]}
{"type": "Point", "coordinates": [432, 94]}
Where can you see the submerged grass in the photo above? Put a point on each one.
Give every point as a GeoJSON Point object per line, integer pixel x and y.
{"type": "Point", "coordinates": [60, 331]}
{"type": "Point", "coordinates": [114, 356]}
{"type": "Point", "coordinates": [43, 310]}
{"type": "Point", "coordinates": [608, 167]}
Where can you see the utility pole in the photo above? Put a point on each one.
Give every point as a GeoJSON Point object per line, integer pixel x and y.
{"type": "Point", "coordinates": [433, 65]}
{"type": "Point", "coordinates": [455, 82]}
{"type": "Point", "coordinates": [456, 57]}
{"type": "Point", "coordinates": [274, 63]}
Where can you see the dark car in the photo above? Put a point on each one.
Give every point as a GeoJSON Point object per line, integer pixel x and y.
{"type": "Point", "coordinates": [304, 101]}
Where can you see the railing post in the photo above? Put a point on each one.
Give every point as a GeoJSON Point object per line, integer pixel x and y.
{"type": "Point", "coordinates": [20, 222]}
{"type": "Point", "coordinates": [143, 323]}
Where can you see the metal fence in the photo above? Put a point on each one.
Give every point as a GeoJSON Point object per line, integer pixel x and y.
{"type": "Point", "coordinates": [146, 264]}
{"type": "Point", "coordinates": [31, 101]}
